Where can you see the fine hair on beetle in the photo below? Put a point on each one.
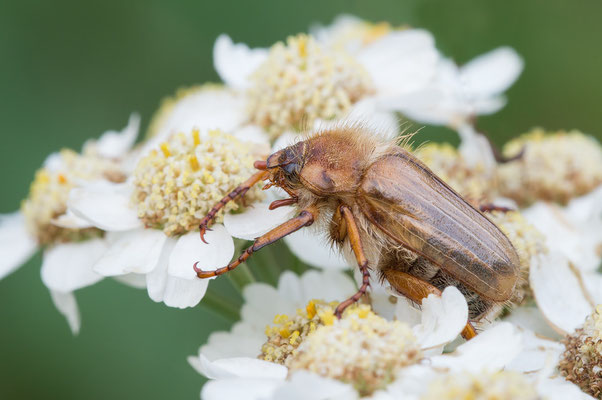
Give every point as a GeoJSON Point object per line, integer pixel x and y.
{"type": "Point", "coordinates": [389, 213]}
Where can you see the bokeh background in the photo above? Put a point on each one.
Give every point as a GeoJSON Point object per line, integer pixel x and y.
{"type": "Point", "coordinates": [70, 70]}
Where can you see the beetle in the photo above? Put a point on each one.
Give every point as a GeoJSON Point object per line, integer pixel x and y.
{"type": "Point", "coordinates": [389, 211]}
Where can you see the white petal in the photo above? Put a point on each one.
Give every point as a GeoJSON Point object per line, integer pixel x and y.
{"type": "Point", "coordinates": [401, 62]}
{"type": "Point", "coordinates": [174, 292]}
{"type": "Point", "coordinates": [16, 245]}
{"type": "Point", "coordinates": [68, 267]}
{"type": "Point", "coordinates": [67, 305]}
{"type": "Point", "coordinates": [312, 248]}
{"type": "Point", "coordinates": [235, 62]}
{"type": "Point", "coordinates": [560, 389]}
{"type": "Point", "coordinates": [559, 293]}
{"type": "Point", "coordinates": [137, 281]}
{"type": "Point", "coordinates": [203, 109]}
{"type": "Point", "coordinates": [492, 349]}
{"type": "Point", "coordinates": [262, 303]}
{"type": "Point", "coordinates": [239, 388]}
{"type": "Point", "coordinates": [252, 133]}
{"type": "Point", "coordinates": [307, 385]}
{"type": "Point", "coordinates": [243, 340]}
{"type": "Point", "coordinates": [106, 205]}
{"type": "Point", "coordinates": [476, 149]}
{"type": "Point", "coordinates": [443, 318]}
{"type": "Point", "coordinates": [238, 367]}
{"type": "Point", "coordinates": [134, 251]}
{"type": "Point", "coordinates": [256, 220]}
{"type": "Point", "coordinates": [116, 144]}
{"type": "Point", "coordinates": [190, 249]}
{"type": "Point", "coordinates": [537, 353]}
{"type": "Point", "coordinates": [492, 73]}
{"type": "Point", "coordinates": [531, 319]}
{"type": "Point", "coordinates": [326, 285]}
{"type": "Point", "coordinates": [53, 162]}
{"type": "Point", "coordinates": [71, 221]}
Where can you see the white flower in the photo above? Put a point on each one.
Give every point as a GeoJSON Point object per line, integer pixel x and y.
{"type": "Point", "coordinates": [152, 219]}
{"type": "Point", "coordinates": [304, 80]}
{"type": "Point", "coordinates": [71, 245]}
{"type": "Point", "coordinates": [234, 354]}
{"type": "Point", "coordinates": [459, 93]}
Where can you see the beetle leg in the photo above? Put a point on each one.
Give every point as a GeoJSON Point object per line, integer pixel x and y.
{"type": "Point", "coordinates": [283, 202]}
{"type": "Point", "coordinates": [416, 289]}
{"type": "Point", "coordinates": [305, 218]}
{"type": "Point", "coordinates": [362, 261]}
{"type": "Point", "coordinates": [240, 190]}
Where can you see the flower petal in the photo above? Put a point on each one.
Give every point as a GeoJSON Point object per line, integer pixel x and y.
{"type": "Point", "coordinates": [68, 267]}
{"type": "Point", "coordinates": [71, 221]}
{"type": "Point", "coordinates": [307, 385]}
{"type": "Point", "coordinates": [402, 61]}
{"type": "Point", "coordinates": [531, 319]}
{"type": "Point", "coordinates": [560, 389]}
{"type": "Point", "coordinates": [559, 293]}
{"type": "Point", "coordinates": [443, 318]}
{"type": "Point", "coordinates": [256, 220]}
{"type": "Point", "coordinates": [190, 249]}
{"type": "Point", "coordinates": [16, 245]}
{"type": "Point", "coordinates": [116, 144]}
{"type": "Point", "coordinates": [174, 292]}
{"type": "Point", "coordinates": [67, 305]}
{"type": "Point", "coordinates": [492, 349]}
{"type": "Point", "coordinates": [106, 205]}
{"type": "Point", "coordinates": [235, 62]}
{"type": "Point", "coordinates": [243, 340]}
{"type": "Point", "coordinates": [237, 367]}
{"type": "Point", "coordinates": [134, 251]}
{"type": "Point", "coordinates": [137, 281]}
{"type": "Point", "coordinates": [240, 388]}
{"type": "Point", "coordinates": [536, 353]}
{"type": "Point", "coordinates": [312, 248]}
{"type": "Point", "coordinates": [252, 133]}
{"type": "Point", "coordinates": [491, 73]}
{"type": "Point", "coordinates": [326, 285]}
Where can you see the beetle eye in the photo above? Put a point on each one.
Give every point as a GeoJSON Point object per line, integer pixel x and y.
{"type": "Point", "coordinates": [290, 168]}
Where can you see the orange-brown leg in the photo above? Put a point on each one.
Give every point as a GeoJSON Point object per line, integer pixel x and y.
{"type": "Point", "coordinates": [416, 289]}
{"type": "Point", "coordinates": [356, 245]}
{"type": "Point", "coordinates": [237, 192]}
{"type": "Point", "coordinates": [490, 207]}
{"type": "Point", "coordinates": [305, 218]}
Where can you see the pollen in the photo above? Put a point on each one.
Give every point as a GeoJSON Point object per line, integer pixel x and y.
{"type": "Point", "coordinates": [502, 385]}
{"type": "Point", "coordinates": [555, 166]}
{"type": "Point", "coordinates": [49, 191]}
{"type": "Point", "coordinates": [301, 82]}
{"type": "Point", "coordinates": [175, 187]}
{"type": "Point", "coordinates": [528, 242]}
{"type": "Point", "coordinates": [289, 331]}
{"type": "Point", "coordinates": [475, 183]}
{"type": "Point", "coordinates": [361, 349]}
{"type": "Point", "coordinates": [581, 362]}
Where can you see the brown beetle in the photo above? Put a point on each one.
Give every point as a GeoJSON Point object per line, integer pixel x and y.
{"type": "Point", "coordinates": [379, 201]}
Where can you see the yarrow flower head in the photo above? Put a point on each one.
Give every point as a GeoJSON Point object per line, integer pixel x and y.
{"type": "Point", "coordinates": [301, 81]}
{"type": "Point", "coordinates": [555, 166]}
{"type": "Point", "coordinates": [177, 185]}
{"type": "Point", "coordinates": [361, 348]}
{"type": "Point", "coordinates": [581, 363]}
{"type": "Point", "coordinates": [498, 385]}
{"type": "Point", "coordinates": [49, 192]}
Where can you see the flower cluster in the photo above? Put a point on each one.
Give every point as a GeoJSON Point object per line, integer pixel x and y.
{"type": "Point", "coordinates": [132, 213]}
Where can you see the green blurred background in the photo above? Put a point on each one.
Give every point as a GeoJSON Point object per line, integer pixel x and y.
{"type": "Point", "coordinates": [70, 70]}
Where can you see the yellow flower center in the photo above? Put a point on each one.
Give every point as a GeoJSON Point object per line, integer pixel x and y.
{"type": "Point", "coordinates": [288, 332]}
{"type": "Point", "coordinates": [177, 185]}
{"type": "Point", "coordinates": [301, 81]}
{"type": "Point", "coordinates": [49, 192]}
{"type": "Point", "coordinates": [361, 348]}
{"type": "Point", "coordinates": [474, 183]}
{"type": "Point", "coordinates": [503, 385]}
{"type": "Point", "coordinates": [554, 167]}
{"type": "Point", "coordinates": [581, 362]}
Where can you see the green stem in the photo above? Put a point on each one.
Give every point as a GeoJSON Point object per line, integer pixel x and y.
{"type": "Point", "coordinates": [221, 305]}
